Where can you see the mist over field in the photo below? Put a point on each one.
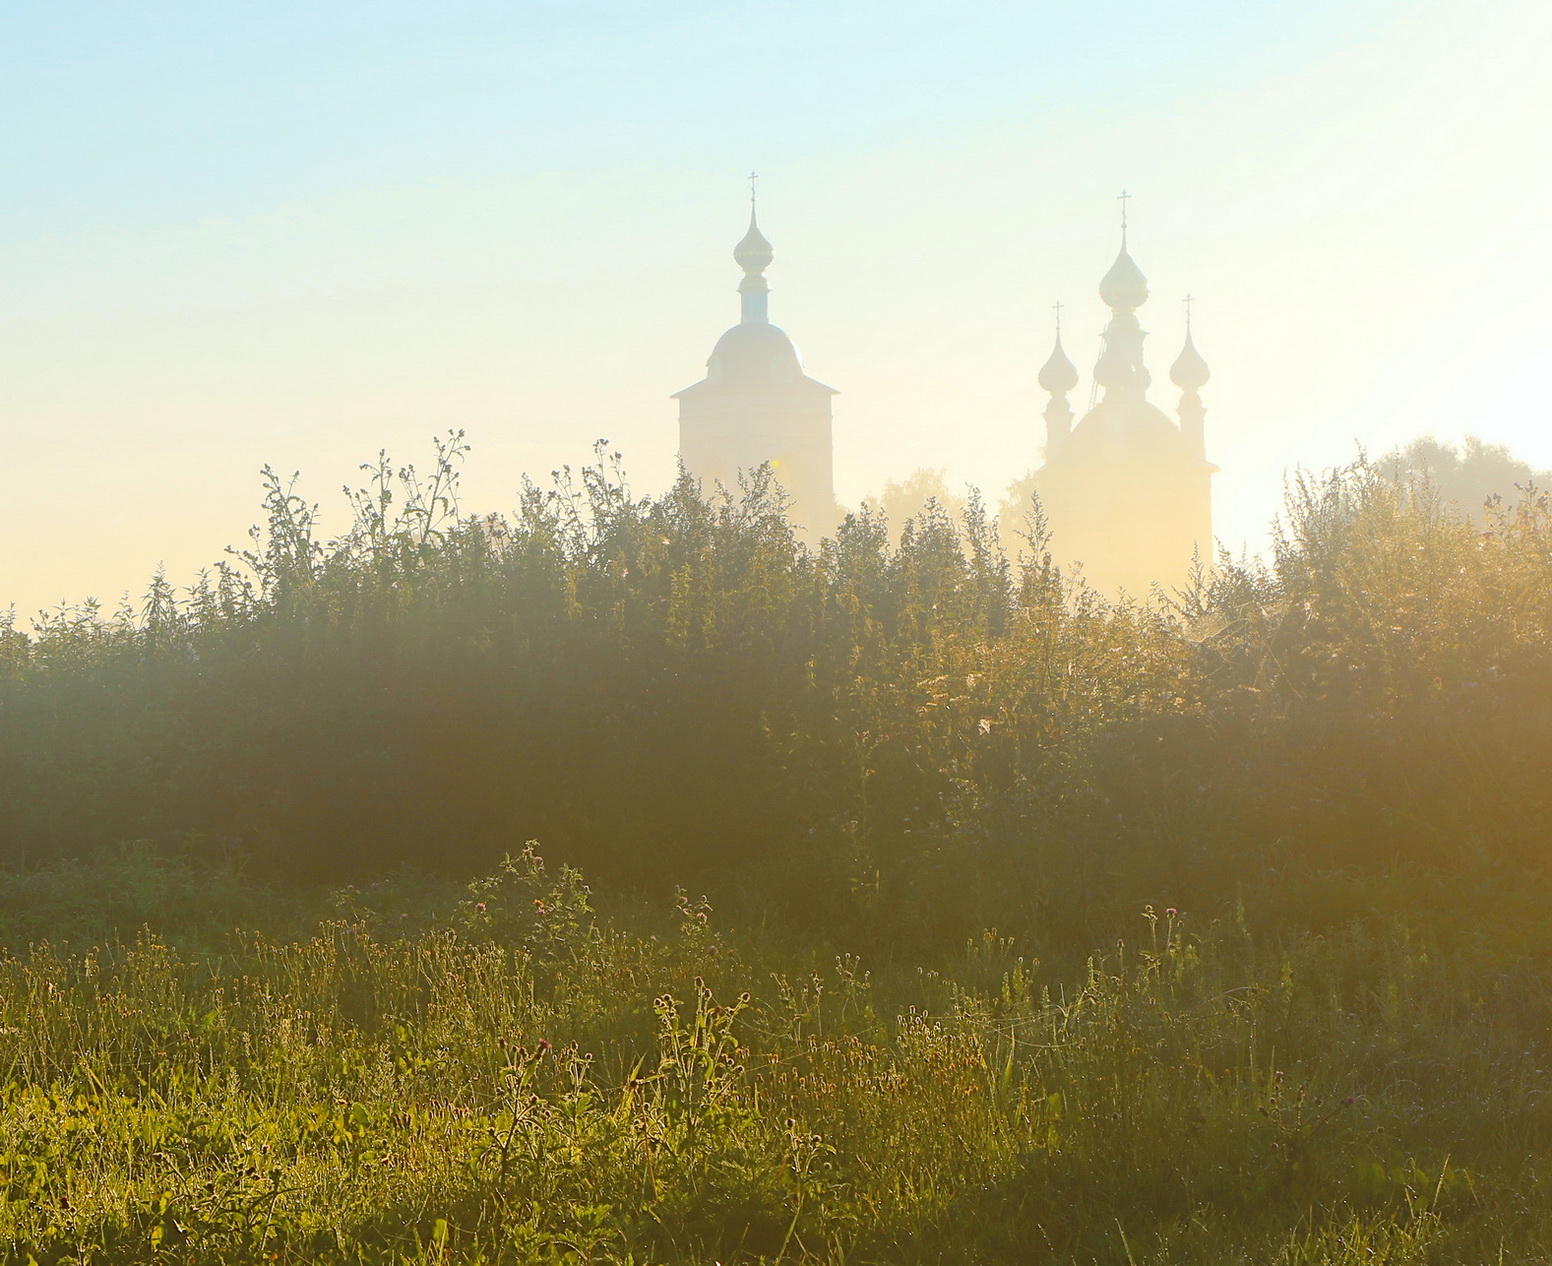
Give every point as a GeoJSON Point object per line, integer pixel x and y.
{"type": "Point", "coordinates": [1056, 770]}
{"type": "Point", "coordinates": [297, 234]}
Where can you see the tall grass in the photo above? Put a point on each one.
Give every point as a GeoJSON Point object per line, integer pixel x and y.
{"type": "Point", "coordinates": [513, 1078]}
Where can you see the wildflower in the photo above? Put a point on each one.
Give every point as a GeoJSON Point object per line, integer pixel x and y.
{"type": "Point", "coordinates": [1172, 912]}
{"type": "Point", "coordinates": [1347, 1101]}
{"type": "Point", "coordinates": [544, 1045]}
{"type": "Point", "coordinates": [480, 906]}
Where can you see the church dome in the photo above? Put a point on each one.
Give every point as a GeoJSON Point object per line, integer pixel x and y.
{"type": "Point", "coordinates": [1141, 429]}
{"type": "Point", "coordinates": [1189, 372]}
{"type": "Point", "coordinates": [1124, 286]}
{"type": "Point", "coordinates": [754, 352]}
{"type": "Point", "coordinates": [754, 253]}
{"type": "Point", "coordinates": [1058, 375]}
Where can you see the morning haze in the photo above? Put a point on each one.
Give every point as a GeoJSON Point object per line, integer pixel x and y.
{"type": "Point", "coordinates": [1027, 743]}
{"type": "Point", "coordinates": [301, 234]}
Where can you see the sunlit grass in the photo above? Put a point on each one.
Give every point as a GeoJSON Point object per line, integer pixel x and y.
{"type": "Point", "coordinates": [515, 1079]}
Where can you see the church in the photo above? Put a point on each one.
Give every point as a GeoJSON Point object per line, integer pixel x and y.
{"type": "Point", "coordinates": [1126, 491]}
{"type": "Point", "coordinates": [756, 405]}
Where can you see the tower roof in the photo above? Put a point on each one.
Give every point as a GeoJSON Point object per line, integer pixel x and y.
{"type": "Point", "coordinates": [753, 254]}
{"type": "Point", "coordinates": [1124, 287]}
{"type": "Point", "coordinates": [1189, 372]}
{"type": "Point", "coordinates": [754, 355]}
{"type": "Point", "coordinates": [1058, 375]}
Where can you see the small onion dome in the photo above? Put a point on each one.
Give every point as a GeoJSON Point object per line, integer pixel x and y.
{"type": "Point", "coordinates": [754, 253]}
{"type": "Point", "coordinates": [1124, 286]}
{"type": "Point", "coordinates": [1057, 375]}
{"type": "Point", "coordinates": [1189, 372]}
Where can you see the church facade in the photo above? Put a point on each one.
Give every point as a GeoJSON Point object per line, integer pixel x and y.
{"type": "Point", "coordinates": [756, 405]}
{"type": "Point", "coordinates": [1127, 490]}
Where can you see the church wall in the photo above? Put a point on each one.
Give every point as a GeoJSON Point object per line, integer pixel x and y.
{"type": "Point", "coordinates": [721, 438]}
{"type": "Point", "coordinates": [1129, 523]}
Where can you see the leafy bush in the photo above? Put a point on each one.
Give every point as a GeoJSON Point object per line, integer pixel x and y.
{"type": "Point", "coordinates": [910, 741]}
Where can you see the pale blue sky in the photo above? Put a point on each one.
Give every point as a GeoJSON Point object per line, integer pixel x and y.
{"type": "Point", "coordinates": [234, 233]}
{"type": "Point", "coordinates": [130, 114]}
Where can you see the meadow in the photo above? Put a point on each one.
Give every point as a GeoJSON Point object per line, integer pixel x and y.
{"type": "Point", "coordinates": [898, 901]}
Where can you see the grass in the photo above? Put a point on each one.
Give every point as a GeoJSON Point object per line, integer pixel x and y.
{"type": "Point", "coordinates": [510, 1077]}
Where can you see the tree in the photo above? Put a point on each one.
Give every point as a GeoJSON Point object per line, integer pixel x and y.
{"type": "Point", "coordinates": [906, 499]}
{"type": "Point", "coordinates": [1469, 476]}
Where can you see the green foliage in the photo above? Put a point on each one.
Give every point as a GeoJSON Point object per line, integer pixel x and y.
{"type": "Point", "coordinates": [608, 1091]}
{"type": "Point", "coordinates": [923, 492]}
{"type": "Point", "coordinates": [908, 740]}
{"type": "Point", "coordinates": [71, 902]}
{"type": "Point", "coordinates": [869, 754]}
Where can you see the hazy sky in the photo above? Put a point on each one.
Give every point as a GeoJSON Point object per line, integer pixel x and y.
{"type": "Point", "coordinates": [235, 233]}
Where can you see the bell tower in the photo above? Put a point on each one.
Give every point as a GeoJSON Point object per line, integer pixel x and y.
{"type": "Point", "coordinates": [756, 405]}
